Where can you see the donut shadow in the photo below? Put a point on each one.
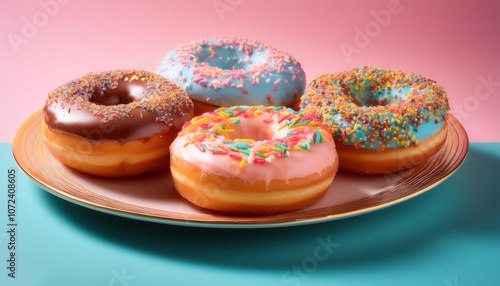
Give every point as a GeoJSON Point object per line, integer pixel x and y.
{"type": "Point", "coordinates": [464, 202]}
{"type": "Point", "coordinates": [152, 183]}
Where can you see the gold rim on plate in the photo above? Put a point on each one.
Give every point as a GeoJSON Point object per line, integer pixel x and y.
{"type": "Point", "coordinates": [350, 194]}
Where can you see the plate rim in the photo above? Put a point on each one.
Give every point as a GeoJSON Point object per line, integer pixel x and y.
{"type": "Point", "coordinates": [219, 224]}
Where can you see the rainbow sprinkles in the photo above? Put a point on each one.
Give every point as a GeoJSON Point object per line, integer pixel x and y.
{"type": "Point", "coordinates": [288, 131]}
{"type": "Point", "coordinates": [374, 108]}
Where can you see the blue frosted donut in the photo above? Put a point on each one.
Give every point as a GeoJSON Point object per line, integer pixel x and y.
{"type": "Point", "coordinates": [383, 120]}
{"type": "Point", "coordinates": [228, 71]}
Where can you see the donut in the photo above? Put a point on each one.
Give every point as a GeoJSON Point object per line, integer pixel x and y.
{"type": "Point", "coordinates": [230, 71]}
{"type": "Point", "coordinates": [382, 120]}
{"type": "Point", "coordinates": [253, 160]}
{"type": "Point", "coordinates": [115, 123]}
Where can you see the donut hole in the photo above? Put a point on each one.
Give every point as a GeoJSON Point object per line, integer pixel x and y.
{"type": "Point", "coordinates": [124, 93]}
{"type": "Point", "coordinates": [361, 99]}
{"type": "Point", "coordinates": [224, 58]}
{"type": "Point", "coordinates": [385, 94]}
{"type": "Point", "coordinates": [254, 129]}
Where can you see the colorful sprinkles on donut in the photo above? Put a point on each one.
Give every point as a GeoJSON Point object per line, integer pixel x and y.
{"type": "Point", "coordinates": [229, 71]}
{"type": "Point", "coordinates": [374, 108]}
{"type": "Point", "coordinates": [212, 132]}
{"type": "Point", "coordinates": [158, 95]}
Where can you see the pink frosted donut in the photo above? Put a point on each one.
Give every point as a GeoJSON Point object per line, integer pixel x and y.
{"type": "Point", "coordinates": [253, 160]}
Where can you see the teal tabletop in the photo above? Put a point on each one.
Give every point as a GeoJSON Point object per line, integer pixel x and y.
{"type": "Point", "coordinates": [447, 236]}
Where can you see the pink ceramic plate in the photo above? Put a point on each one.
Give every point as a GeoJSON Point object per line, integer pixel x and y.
{"type": "Point", "coordinates": [153, 198]}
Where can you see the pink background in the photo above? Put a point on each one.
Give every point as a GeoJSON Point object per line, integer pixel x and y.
{"type": "Point", "coordinates": [46, 43]}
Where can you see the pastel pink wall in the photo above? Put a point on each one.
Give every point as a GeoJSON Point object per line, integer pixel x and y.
{"type": "Point", "coordinates": [46, 43]}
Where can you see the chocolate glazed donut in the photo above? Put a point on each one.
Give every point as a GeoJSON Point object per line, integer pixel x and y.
{"type": "Point", "coordinates": [115, 123]}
